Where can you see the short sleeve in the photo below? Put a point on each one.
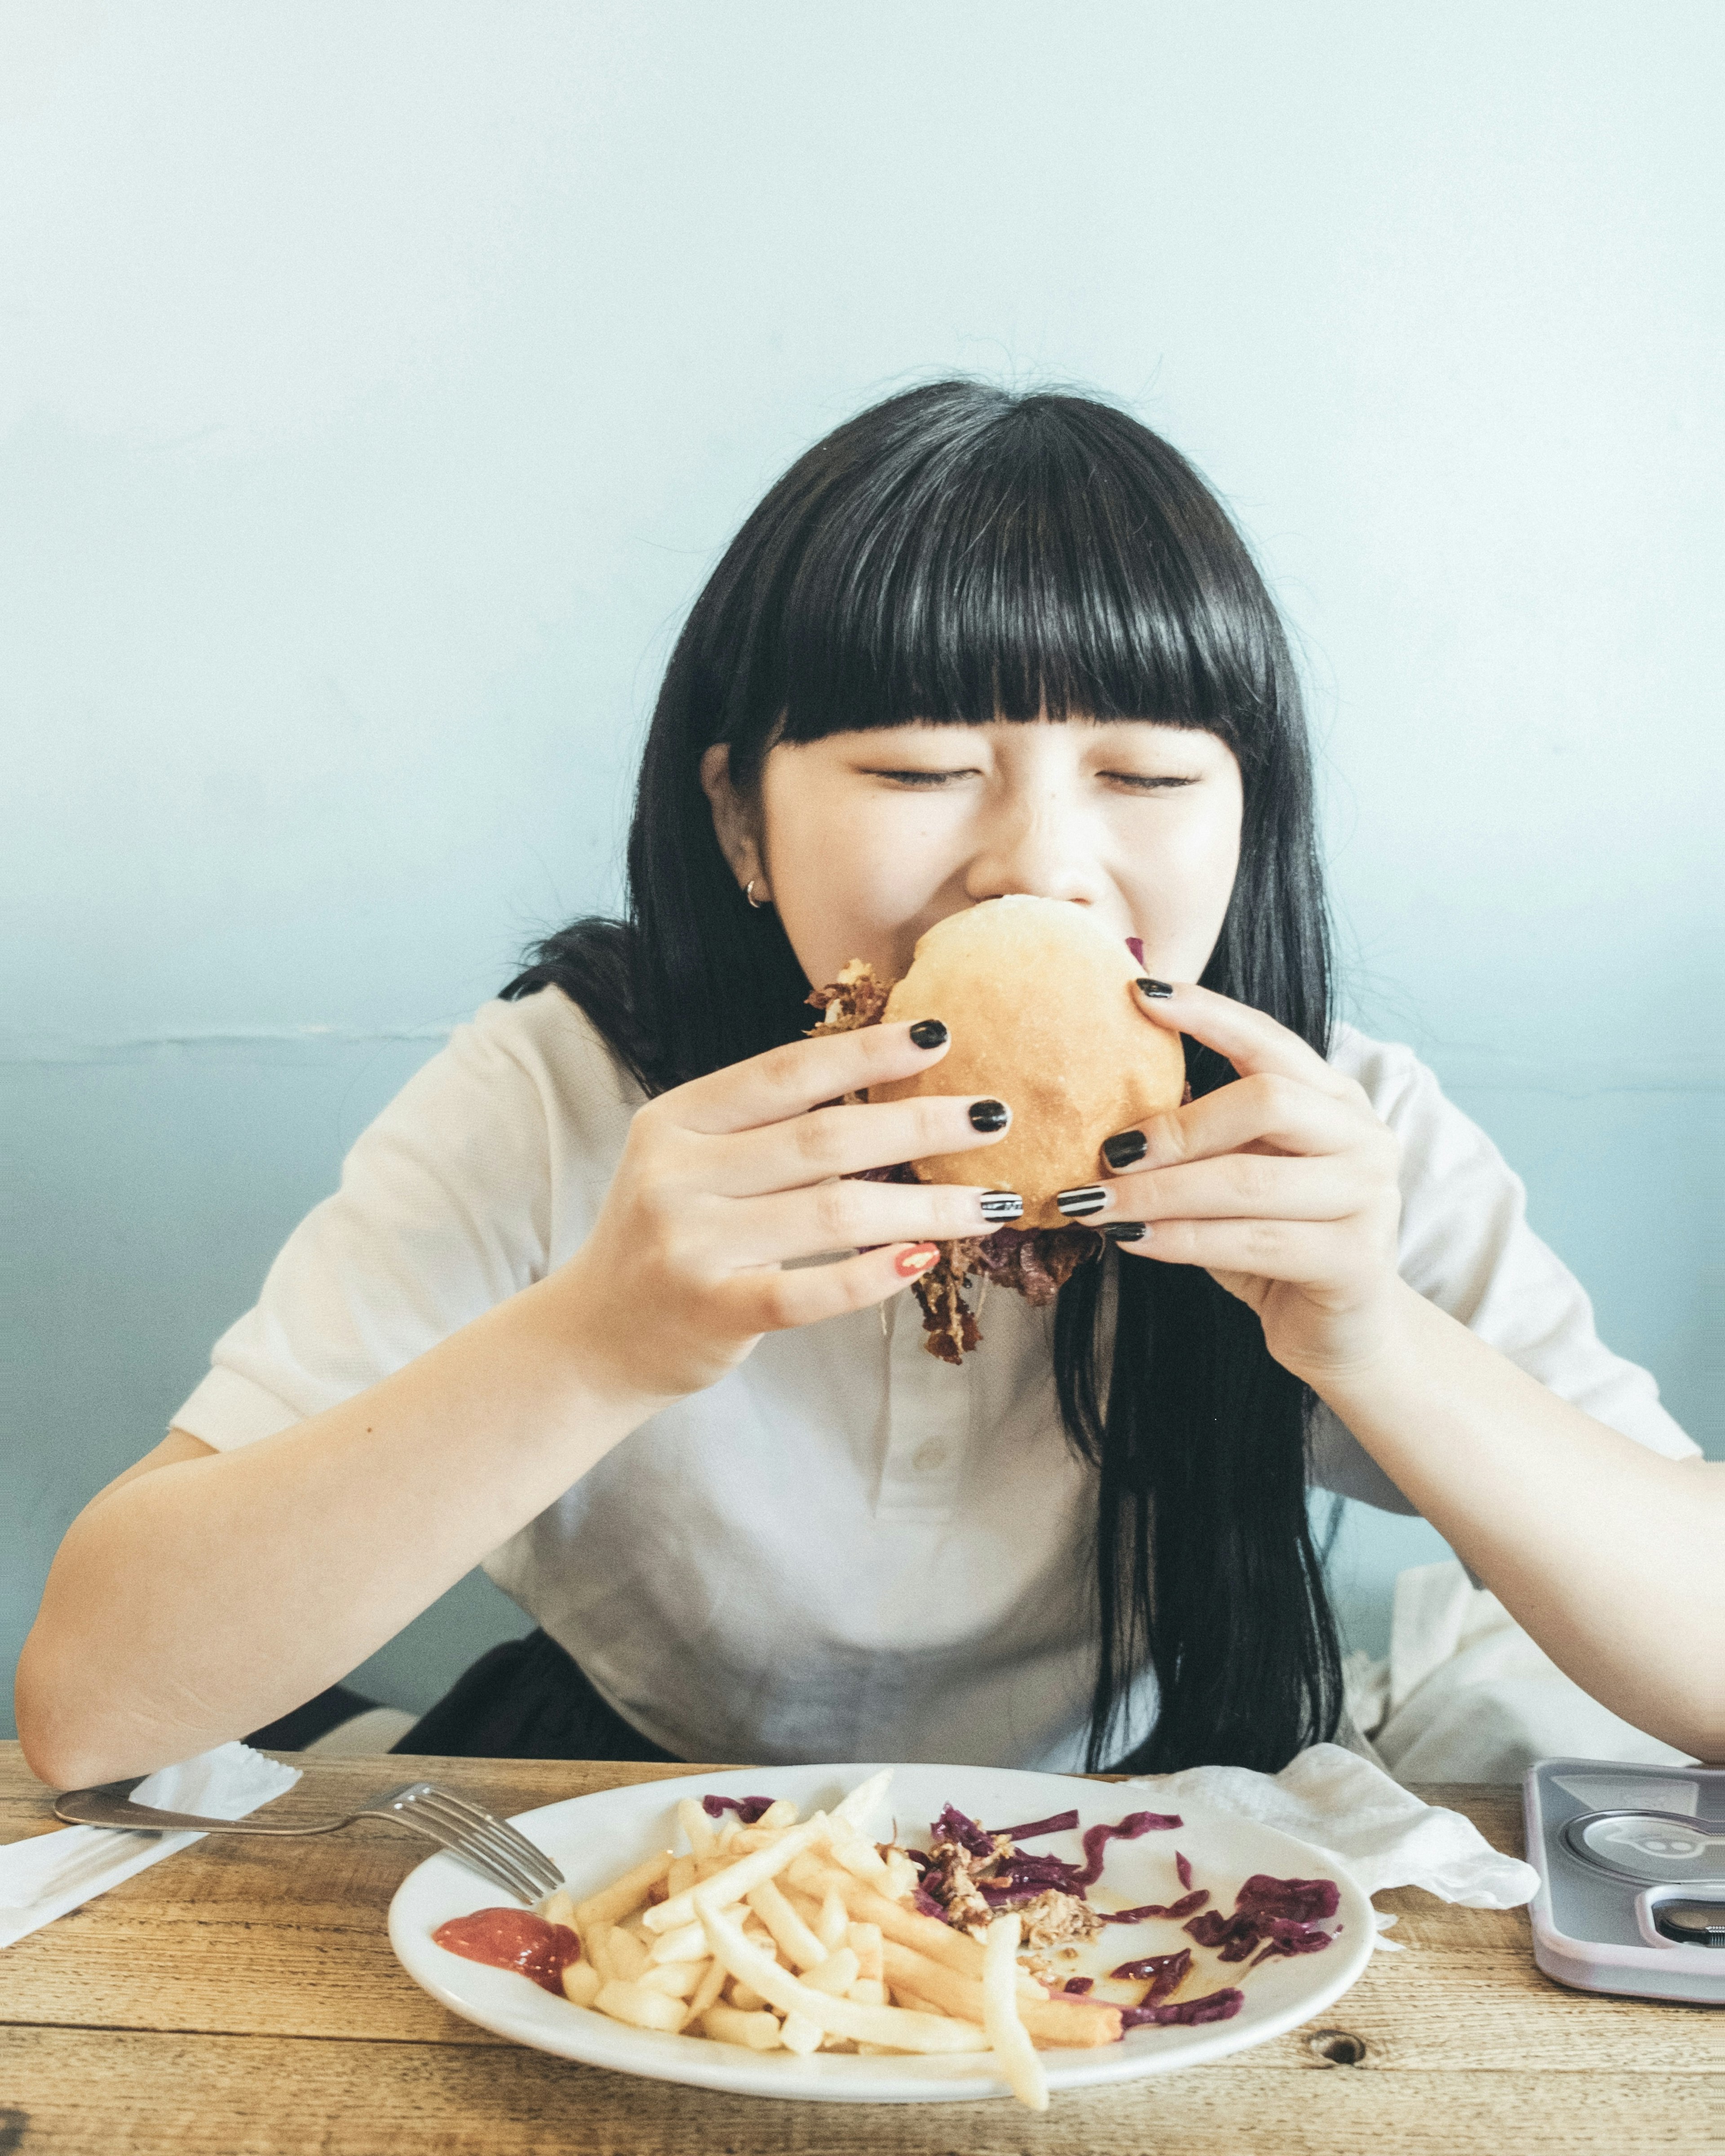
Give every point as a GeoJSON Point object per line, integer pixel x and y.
{"type": "Point", "coordinates": [487, 1168]}
{"type": "Point", "coordinates": [1465, 1245]}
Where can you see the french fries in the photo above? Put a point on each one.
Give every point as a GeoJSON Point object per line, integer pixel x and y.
{"type": "Point", "coordinates": [1075, 2024]}
{"type": "Point", "coordinates": [581, 1983]}
{"type": "Point", "coordinates": [793, 1937]}
{"type": "Point", "coordinates": [838, 2017]}
{"type": "Point", "coordinates": [624, 1896]}
{"type": "Point", "coordinates": [797, 1936]}
{"type": "Point", "coordinates": [1006, 2036]}
{"type": "Point", "coordinates": [697, 1829]}
{"type": "Point", "coordinates": [834, 1921]}
{"type": "Point", "coordinates": [836, 1974]}
{"type": "Point", "coordinates": [640, 2007]}
{"type": "Point", "coordinates": [730, 2025]}
{"type": "Point", "coordinates": [927, 1935]}
{"type": "Point", "coordinates": [707, 1992]}
{"type": "Point", "coordinates": [737, 1880]}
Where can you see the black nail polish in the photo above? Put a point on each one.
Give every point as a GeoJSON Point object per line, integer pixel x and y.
{"type": "Point", "coordinates": [1154, 989]}
{"type": "Point", "coordinates": [929, 1032]}
{"type": "Point", "coordinates": [1125, 1231]}
{"type": "Point", "coordinates": [989, 1115]}
{"type": "Point", "coordinates": [1122, 1151]}
{"type": "Point", "coordinates": [1001, 1205]}
{"type": "Point", "coordinates": [1080, 1204]}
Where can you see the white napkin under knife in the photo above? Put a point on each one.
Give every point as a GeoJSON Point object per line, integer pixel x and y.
{"type": "Point", "coordinates": [49, 1874]}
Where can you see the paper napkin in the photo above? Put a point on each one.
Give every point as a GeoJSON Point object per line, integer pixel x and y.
{"type": "Point", "coordinates": [49, 1874]}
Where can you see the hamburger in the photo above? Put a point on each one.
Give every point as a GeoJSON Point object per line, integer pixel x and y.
{"type": "Point", "coordinates": [1038, 999]}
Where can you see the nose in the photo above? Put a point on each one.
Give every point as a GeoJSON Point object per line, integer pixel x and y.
{"type": "Point", "coordinates": [1036, 840]}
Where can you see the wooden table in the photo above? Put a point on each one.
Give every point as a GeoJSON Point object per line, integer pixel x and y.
{"type": "Point", "coordinates": [241, 1997]}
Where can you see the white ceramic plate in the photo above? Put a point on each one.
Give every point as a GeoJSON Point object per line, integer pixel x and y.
{"type": "Point", "coordinates": [594, 1838]}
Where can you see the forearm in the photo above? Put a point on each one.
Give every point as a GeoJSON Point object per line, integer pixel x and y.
{"type": "Point", "coordinates": [204, 1599]}
{"type": "Point", "coordinates": [1606, 1553]}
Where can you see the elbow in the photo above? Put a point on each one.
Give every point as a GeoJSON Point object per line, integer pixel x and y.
{"type": "Point", "coordinates": [50, 1749]}
{"type": "Point", "coordinates": [62, 1745]}
{"type": "Point", "coordinates": [1695, 1723]}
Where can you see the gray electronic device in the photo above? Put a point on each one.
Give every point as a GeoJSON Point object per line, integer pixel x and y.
{"type": "Point", "coordinates": [1631, 1864]}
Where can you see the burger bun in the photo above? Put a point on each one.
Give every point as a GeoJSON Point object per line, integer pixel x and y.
{"type": "Point", "coordinates": [1037, 997]}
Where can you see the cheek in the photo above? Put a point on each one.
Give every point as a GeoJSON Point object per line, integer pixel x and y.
{"type": "Point", "coordinates": [850, 884]}
{"type": "Point", "coordinates": [1183, 892]}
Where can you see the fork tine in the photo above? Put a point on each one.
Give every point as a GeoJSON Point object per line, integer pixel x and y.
{"type": "Point", "coordinates": [511, 1834]}
{"type": "Point", "coordinates": [415, 1818]}
{"type": "Point", "coordinates": [532, 1858]}
{"type": "Point", "coordinates": [410, 1804]}
{"type": "Point", "coordinates": [488, 1834]}
{"type": "Point", "coordinates": [461, 1828]}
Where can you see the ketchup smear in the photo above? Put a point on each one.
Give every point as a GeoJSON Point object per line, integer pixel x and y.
{"type": "Point", "coordinates": [513, 1938]}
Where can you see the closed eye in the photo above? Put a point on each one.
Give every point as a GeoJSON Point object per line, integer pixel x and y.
{"type": "Point", "coordinates": [1139, 781]}
{"type": "Point", "coordinates": [922, 780]}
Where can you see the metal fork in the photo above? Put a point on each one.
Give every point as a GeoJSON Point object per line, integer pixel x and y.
{"type": "Point", "coordinates": [489, 1846]}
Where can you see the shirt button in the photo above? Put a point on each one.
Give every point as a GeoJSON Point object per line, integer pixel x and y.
{"type": "Point", "coordinates": [928, 1457]}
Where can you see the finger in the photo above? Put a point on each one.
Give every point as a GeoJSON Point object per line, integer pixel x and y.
{"type": "Point", "coordinates": [1281, 1113]}
{"type": "Point", "coordinates": [1236, 1186]}
{"type": "Point", "coordinates": [773, 1301]}
{"type": "Point", "coordinates": [829, 1142]}
{"type": "Point", "coordinates": [1309, 1252]}
{"type": "Point", "coordinates": [848, 1216]}
{"type": "Point", "coordinates": [1251, 1040]}
{"type": "Point", "coordinates": [790, 1080]}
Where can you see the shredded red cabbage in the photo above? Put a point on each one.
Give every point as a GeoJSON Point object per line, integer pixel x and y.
{"type": "Point", "coordinates": [1182, 1868]}
{"type": "Point", "coordinates": [1273, 1913]}
{"type": "Point", "coordinates": [747, 1809]}
{"type": "Point", "coordinates": [1057, 1823]}
{"type": "Point", "coordinates": [1129, 1828]}
{"type": "Point", "coordinates": [1164, 1973]}
{"type": "Point", "coordinates": [1078, 1985]}
{"type": "Point", "coordinates": [1183, 1908]}
{"type": "Point", "coordinates": [1302, 1901]}
{"type": "Point", "coordinates": [1134, 944]}
{"type": "Point", "coordinates": [953, 1826]}
{"type": "Point", "coordinates": [1184, 2012]}
{"type": "Point", "coordinates": [1024, 1877]}
{"type": "Point", "coordinates": [1012, 1876]}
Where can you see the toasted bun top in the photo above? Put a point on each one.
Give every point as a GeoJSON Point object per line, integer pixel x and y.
{"type": "Point", "coordinates": [1037, 997]}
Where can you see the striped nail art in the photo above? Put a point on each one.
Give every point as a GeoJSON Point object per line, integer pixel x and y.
{"type": "Point", "coordinates": [1080, 1204]}
{"type": "Point", "coordinates": [1001, 1205]}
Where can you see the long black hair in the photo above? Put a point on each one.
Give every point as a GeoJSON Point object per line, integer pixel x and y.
{"type": "Point", "coordinates": [961, 553]}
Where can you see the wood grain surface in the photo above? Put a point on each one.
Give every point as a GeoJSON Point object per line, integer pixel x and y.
{"type": "Point", "coordinates": [242, 1996]}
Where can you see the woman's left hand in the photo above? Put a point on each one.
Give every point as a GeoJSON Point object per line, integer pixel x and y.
{"type": "Point", "coordinates": [1283, 1185]}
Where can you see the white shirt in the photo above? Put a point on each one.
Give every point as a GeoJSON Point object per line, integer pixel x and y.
{"type": "Point", "coordinates": [845, 1549]}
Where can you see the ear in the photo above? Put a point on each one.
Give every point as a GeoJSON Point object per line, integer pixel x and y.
{"type": "Point", "coordinates": [735, 821]}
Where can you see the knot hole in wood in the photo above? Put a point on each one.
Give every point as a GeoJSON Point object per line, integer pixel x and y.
{"type": "Point", "coordinates": [1335, 2047]}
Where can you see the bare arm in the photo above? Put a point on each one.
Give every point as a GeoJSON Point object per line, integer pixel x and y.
{"type": "Point", "coordinates": [1606, 1553]}
{"type": "Point", "coordinates": [205, 1593]}
{"type": "Point", "coordinates": [1284, 1186]}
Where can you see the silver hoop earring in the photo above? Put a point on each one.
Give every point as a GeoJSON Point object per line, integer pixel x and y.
{"type": "Point", "coordinates": [748, 892]}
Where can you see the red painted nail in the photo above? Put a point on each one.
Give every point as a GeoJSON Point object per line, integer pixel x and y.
{"type": "Point", "coordinates": [917, 1260]}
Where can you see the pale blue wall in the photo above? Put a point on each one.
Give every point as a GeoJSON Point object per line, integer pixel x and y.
{"type": "Point", "coordinates": [380, 380]}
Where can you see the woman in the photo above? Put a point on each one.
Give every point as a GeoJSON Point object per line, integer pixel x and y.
{"type": "Point", "coordinates": [559, 1317]}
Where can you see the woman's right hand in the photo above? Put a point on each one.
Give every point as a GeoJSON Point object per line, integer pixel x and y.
{"type": "Point", "coordinates": [727, 1180]}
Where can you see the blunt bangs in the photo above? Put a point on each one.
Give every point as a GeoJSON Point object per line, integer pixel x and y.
{"type": "Point", "coordinates": [1000, 557]}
